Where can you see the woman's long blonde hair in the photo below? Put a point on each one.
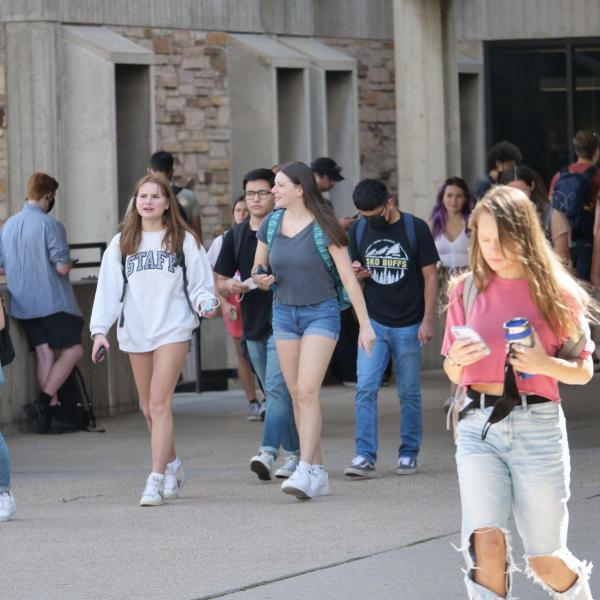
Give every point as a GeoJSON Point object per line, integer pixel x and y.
{"type": "Point", "coordinates": [555, 292]}
{"type": "Point", "coordinates": [131, 225]}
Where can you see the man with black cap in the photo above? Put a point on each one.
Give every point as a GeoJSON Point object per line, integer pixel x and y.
{"type": "Point", "coordinates": [327, 173]}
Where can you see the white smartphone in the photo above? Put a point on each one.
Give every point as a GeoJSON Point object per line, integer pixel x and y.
{"type": "Point", "coordinates": [464, 332]}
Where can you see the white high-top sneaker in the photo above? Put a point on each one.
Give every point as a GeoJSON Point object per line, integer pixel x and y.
{"type": "Point", "coordinates": [174, 480]}
{"type": "Point", "coordinates": [154, 491]}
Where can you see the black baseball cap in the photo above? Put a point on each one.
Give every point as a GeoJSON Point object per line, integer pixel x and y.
{"type": "Point", "coordinates": [327, 166]}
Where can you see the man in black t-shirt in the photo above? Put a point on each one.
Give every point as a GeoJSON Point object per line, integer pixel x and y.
{"type": "Point", "coordinates": [394, 254]}
{"type": "Point", "coordinates": [237, 254]}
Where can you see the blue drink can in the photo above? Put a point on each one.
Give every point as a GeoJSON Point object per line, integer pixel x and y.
{"type": "Point", "coordinates": [518, 331]}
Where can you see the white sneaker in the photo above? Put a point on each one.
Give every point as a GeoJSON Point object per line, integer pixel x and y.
{"type": "Point", "coordinates": [288, 467]}
{"type": "Point", "coordinates": [153, 492]}
{"type": "Point", "coordinates": [262, 465]}
{"type": "Point", "coordinates": [174, 480]}
{"type": "Point", "coordinates": [319, 482]}
{"type": "Point", "coordinates": [299, 484]}
{"type": "Point", "coordinates": [7, 506]}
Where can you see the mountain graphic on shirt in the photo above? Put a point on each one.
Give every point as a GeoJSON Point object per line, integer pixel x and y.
{"type": "Point", "coordinates": [387, 261]}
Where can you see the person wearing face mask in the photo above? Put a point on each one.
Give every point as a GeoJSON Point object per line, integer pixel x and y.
{"type": "Point", "coordinates": [395, 256]}
{"type": "Point", "coordinates": [34, 248]}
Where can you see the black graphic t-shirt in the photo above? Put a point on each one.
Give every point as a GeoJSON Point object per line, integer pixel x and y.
{"type": "Point", "coordinates": [394, 292]}
{"type": "Point", "coordinates": [256, 304]}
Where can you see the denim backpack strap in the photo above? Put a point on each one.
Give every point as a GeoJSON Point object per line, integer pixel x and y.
{"type": "Point", "coordinates": [319, 239]}
{"type": "Point", "coordinates": [273, 226]}
{"type": "Point", "coordinates": [359, 231]}
{"type": "Point", "coordinates": [409, 224]}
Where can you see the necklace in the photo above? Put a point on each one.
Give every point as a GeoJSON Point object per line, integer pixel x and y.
{"type": "Point", "coordinates": [295, 226]}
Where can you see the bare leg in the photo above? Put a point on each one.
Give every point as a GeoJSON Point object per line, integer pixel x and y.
{"type": "Point", "coordinates": [168, 361]}
{"type": "Point", "coordinates": [245, 373]}
{"type": "Point", "coordinates": [141, 365]}
{"type": "Point", "coordinates": [315, 354]}
{"type": "Point", "coordinates": [490, 553]}
{"type": "Point", "coordinates": [554, 572]}
{"type": "Point", "coordinates": [61, 369]}
{"type": "Point", "coordinates": [303, 364]}
{"type": "Point", "coordinates": [44, 356]}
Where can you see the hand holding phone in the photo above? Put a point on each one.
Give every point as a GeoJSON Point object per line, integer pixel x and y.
{"type": "Point", "coordinates": [464, 332]}
{"type": "Point", "coordinates": [100, 355]}
{"type": "Point", "coordinates": [468, 348]}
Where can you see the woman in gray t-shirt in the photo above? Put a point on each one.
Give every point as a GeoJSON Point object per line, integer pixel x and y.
{"type": "Point", "coordinates": [296, 243]}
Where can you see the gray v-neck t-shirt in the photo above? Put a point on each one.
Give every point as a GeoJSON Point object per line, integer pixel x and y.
{"type": "Point", "coordinates": [301, 275]}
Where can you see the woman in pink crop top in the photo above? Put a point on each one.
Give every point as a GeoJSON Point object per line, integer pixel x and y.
{"type": "Point", "coordinates": [517, 457]}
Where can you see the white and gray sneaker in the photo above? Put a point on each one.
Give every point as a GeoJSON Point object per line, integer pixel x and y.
{"type": "Point", "coordinates": [174, 480]}
{"type": "Point", "coordinates": [288, 467]}
{"type": "Point", "coordinates": [154, 491]}
{"type": "Point", "coordinates": [253, 411]}
{"type": "Point", "coordinates": [299, 484]}
{"type": "Point", "coordinates": [262, 465]}
{"type": "Point", "coordinates": [319, 482]}
{"type": "Point", "coordinates": [7, 506]}
{"type": "Point", "coordinates": [360, 468]}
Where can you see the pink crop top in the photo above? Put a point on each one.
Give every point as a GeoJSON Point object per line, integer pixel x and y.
{"type": "Point", "coordinates": [503, 299]}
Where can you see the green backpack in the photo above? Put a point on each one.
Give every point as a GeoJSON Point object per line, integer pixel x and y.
{"type": "Point", "coordinates": [319, 239]}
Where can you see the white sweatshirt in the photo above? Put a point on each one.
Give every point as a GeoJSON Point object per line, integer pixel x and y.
{"type": "Point", "coordinates": [155, 308]}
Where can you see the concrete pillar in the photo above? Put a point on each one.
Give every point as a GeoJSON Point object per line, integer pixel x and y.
{"type": "Point", "coordinates": [32, 108]}
{"type": "Point", "coordinates": [420, 106]}
{"type": "Point", "coordinates": [451, 89]}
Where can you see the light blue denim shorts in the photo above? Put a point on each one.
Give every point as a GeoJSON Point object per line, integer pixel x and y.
{"type": "Point", "coordinates": [292, 322]}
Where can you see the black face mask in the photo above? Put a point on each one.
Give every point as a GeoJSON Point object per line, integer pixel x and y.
{"type": "Point", "coordinates": [378, 221]}
{"type": "Point", "coordinates": [50, 205]}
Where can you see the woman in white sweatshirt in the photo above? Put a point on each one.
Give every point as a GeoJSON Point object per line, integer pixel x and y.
{"type": "Point", "coordinates": [155, 278]}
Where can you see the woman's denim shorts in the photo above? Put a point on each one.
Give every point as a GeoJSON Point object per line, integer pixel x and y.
{"type": "Point", "coordinates": [292, 322]}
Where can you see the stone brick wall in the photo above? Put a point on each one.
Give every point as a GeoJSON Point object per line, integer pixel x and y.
{"type": "Point", "coordinates": [3, 134]}
{"type": "Point", "coordinates": [192, 113]}
{"type": "Point", "coordinates": [377, 107]}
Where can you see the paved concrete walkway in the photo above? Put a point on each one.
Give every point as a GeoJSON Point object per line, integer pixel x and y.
{"type": "Point", "coordinates": [80, 534]}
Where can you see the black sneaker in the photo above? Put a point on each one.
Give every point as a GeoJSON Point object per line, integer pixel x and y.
{"type": "Point", "coordinates": [35, 419]}
{"type": "Point", "coordinates": [360, 468]}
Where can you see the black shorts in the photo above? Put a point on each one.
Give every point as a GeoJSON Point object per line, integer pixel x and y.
{"type": "Point", "coordinates": [60, 330]}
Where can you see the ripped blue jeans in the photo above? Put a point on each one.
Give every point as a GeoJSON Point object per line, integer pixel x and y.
{"type": "Point", "coordinates": [523, 465]}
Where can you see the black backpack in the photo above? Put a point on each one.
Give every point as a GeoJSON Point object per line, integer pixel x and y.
{"type": "Point", "coordinates": [76, 412]}
{"type": "Point", "coordinates": [572, 195]}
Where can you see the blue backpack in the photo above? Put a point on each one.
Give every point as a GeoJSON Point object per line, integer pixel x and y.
{"type": "Point", "coordinates": [572, 195]}
{"type": "Point", "coordinates": [318, 237]}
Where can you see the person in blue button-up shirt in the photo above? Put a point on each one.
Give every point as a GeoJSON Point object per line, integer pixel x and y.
{"type": "Point", "coordinates": [34, 255]}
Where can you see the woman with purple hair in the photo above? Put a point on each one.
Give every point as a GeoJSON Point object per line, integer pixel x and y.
{"type": "Point", "coordinates": [448, 225]}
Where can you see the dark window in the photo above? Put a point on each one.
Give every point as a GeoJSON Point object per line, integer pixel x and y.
{"type": "Point", "coordinates": [539, 94]}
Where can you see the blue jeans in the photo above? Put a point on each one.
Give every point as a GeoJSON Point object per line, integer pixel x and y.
{"type": "Point", "coordinates": [522, 464]}
{"type": "Point", "coordinates": [4, 467]}
{"type": "Point", "coordinates": [279, 428]}
{"type": "Point", "coordinates": [403, 344]}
